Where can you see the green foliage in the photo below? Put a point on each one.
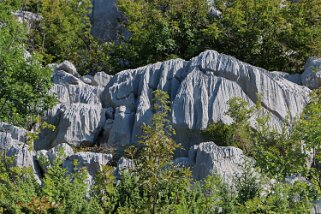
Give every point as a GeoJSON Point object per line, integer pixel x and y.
{"type": "Point", "coordinates": [239, 132]}
{"type": "Point", "coordinates": [273, 34]}
{"type": "Point", "coordinates": [17, 186]}
{"type": "Point", "coordinates": [308, 130]}
{"type": "Point", "coordinates": [67, 190]}
{"type": "Point", "coordinates": [63, 33]}
{"type": "Point", "coordinates": [280, 198]}
{"type": "Point", "coordinates": [160, 30]}
{"type": "Point", "coordinates": [24, 83]}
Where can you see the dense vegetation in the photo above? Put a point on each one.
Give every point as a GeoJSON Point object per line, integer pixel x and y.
{"type": "Point", "coordinates": [265, 33]}
{"type": "Point", "coordinates": [273, 34]}
{"type": "Point", "coordinates": [24, 82]}
{"type": "Point", "coordinates": [154, 185]}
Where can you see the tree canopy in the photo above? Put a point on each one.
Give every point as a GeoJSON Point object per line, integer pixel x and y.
{"type": "Point", "coordinates": [273, 34]}
{"type": "Point", "coordinates": [24, 82]}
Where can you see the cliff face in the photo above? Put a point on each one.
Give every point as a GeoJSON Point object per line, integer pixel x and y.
{"type": "Point", "coordinates": [109, 110]}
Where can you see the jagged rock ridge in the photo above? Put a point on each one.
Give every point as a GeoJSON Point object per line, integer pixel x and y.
{"type": "Point", "coordinates": [110, 110]}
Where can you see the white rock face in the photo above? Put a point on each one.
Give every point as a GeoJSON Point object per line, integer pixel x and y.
{"type": "Point", "coordinates": [46, 158]}
{"type": "Point", "coordinates": [209, 159]}
{"type": "Point", "coordinates": [92, 161]}
{"type": "Point", "coordinates": [124, 164]}
{"type": "Point", "coordinates": [311, 76]}
{"type": "Point", "coordinates": [199, 90]}
{"type": "Point", "coordinates": [79, 116]}
{"type": "Point", "coordinates": [13, 142]}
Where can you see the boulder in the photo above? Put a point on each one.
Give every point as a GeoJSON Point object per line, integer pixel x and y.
{"type": "Point", "coordinates": [68, 67]}
{"type": "Point", "coordinates": [124, 164]}
{"type": "Point", "coordinates": [209, 159]}
{"type": "Point", "coordinates": [13, 142]}
{"type": "Point", "coordinates": [311, 76]}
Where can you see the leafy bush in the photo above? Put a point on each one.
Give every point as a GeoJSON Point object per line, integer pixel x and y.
{"type": "Point", "coordinates": [24, 83]}
{"type": "Point", "coordinates": [273, 34]}
{"type": "Point", "coordinates": [63, 33]}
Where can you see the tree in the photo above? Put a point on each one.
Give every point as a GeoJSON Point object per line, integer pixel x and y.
{"type": "Point", "coordinates": [63, 33]}
{"type": "Point", "coordinates": [277, 152]}
{"type": "Point", "coordinates": [160, 30]}
{"type": "Point", "coordinates": [273, 34]}
{"type": "Point", "coordinates": [24, 83]}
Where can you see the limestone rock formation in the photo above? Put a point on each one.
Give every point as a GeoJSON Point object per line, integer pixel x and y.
{"type": "Point", "coordinates": [209, 159]}
{"type": "Point", "coordinates": [110, 110]}
{"type": "Point", "coordinates": [124, 164]}
{"type": "Point", "coordinates": [199, 90]}
{"type": "Point", "coordinates": [79, 116]}
{"type": "Point", "coordinates": [13, 142]}
{"type": "Point", "coordinates": [46, 158]}
{"type": "Point", "coordinates": [68, 67]}
{"type": "Point", "coordinates": [311, 76]}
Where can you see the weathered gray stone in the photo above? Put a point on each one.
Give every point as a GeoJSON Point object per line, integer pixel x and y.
{"type": "Point", "coordinates": [68, 67]}
{"type": "Point", "coordinates": [47, 157]}
{"type": "Point", "coordinates": [209, 159]}
{"type": "Point", "coordinates": [316, 207]}
{"type": "Point", "coordinates": [78, 117]}
{"type": "Point", "coordinates": [199, 90]}
{"type": "Point", "coordinates": [124, 164]}
{"type": "Point", "coordinates": [295, 78]}
{"type": "Point", "coordinates": [79, 125]}
{"type": "Point", "coordinates": [13, 141]}
{"type": "Point", "coordinates": [88, 79]}
{"type": "Point", "coordinates": [102, 78]}
{"type": "Point", "coordinates": [120, 131]}
{"type": "Point", "coordinates": [93, 162]}
{"type": "Point", "coordinates": [311, 76]}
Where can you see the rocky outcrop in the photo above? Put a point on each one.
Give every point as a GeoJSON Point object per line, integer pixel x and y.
{"type": "Point", "coordinates": [311, 76]}
{"type": "Point", "coordinates": [209, 159]}
{"type": "Point", "coordinates": [199, 90]}
{"type": "Point", "coordinates": [79, 115]}
{"type": "Point", "coordinates": [15, 150]}
{"type": "Point", "coordinates": [110, 110]}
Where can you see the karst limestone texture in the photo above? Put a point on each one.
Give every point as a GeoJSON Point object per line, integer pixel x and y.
{"type": "Point", "coordinates": [109, 110]}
